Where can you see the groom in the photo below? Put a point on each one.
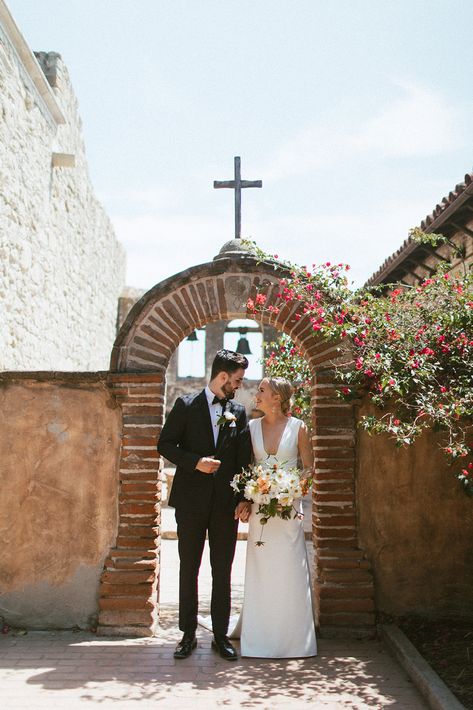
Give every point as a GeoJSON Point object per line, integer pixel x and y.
{"type": "Point", "coordinates": [206, 436]}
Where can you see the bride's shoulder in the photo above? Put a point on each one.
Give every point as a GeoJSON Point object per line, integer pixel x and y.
{"type": "Point", "coordinates": [295, 422]}
{"type": "Point", "coordinates": [253, 423]}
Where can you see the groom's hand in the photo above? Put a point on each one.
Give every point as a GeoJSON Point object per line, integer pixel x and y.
{"type": "Point", "coordinates": [207, 464]}
{"type": "Point", "coordinates": [243, 511]}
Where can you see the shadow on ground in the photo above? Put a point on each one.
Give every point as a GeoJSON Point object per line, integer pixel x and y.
{"type": "Point", "coordinates": [353, 674]}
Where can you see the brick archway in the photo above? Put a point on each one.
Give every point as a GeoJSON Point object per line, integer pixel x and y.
{"type": "Point", "coordinates": [343, 589]}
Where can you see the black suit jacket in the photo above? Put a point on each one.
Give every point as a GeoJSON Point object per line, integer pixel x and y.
{"type": "Point", "coordinates": [187, 436]}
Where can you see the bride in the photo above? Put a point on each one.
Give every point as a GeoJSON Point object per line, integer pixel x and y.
{"type": "Point", "coordinates": [277, 619]}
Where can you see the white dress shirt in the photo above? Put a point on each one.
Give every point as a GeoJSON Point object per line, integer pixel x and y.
{"type": "Point", "coordinates": [215, 412]}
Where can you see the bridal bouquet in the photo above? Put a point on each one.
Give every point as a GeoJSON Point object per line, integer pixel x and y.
{"type": "Point", "coordinates": [273, 488]}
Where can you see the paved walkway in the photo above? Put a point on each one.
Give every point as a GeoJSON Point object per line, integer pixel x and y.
{"type": "Point", "coordinates": [66, 670]}
{"type": "Point", "coordinates": [79, 670]}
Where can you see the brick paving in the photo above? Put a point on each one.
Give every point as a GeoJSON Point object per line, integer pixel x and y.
{"type": "Point", "coordinates": [77, 670]}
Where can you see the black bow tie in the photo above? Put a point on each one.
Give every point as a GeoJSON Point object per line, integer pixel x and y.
{"type": "Point", "coordinates": [217, 400]}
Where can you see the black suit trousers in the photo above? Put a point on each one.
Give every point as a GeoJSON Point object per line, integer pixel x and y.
{"type": "Point", "coordinates": [192, 526]}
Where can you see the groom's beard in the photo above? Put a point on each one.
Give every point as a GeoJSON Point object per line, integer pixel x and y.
{"type": "Point", "coordinates": [228, 391]}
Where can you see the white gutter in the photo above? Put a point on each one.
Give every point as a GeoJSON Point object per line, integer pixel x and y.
{"type": "Point", "coordinates": [32, 68]}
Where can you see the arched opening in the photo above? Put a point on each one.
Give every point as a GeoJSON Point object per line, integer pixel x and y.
{"type": "Point", "coordinates": [183, 377]}
{"type": "Point", "coordinates": [209, 293]}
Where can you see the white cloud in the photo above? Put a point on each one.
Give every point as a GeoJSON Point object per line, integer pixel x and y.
{"type": "Point", "coordinates": [418, 123]}
{"type": "Point", "coordinates": [159, 247]}
{"type": "Point", "coordinates": [152, 198]}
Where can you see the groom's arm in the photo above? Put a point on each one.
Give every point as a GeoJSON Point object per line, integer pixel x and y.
{"type": "Point", "coordinates": [169, 444]}
{"type": "Point", "coordinates": [243, 460]}
{"type": "Point", "coordinates": [244, 450]}
{"type": "Point", "coordinates": [172, 435]}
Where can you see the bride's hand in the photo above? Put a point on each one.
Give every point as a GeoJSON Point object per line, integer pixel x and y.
{"type": "Point", "coordinates": [243, 511]}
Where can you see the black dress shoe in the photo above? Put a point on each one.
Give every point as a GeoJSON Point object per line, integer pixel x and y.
{"type": "Point", "coordinates": [185, 646]}
{"type": "Point", "coordinates": [222, 645]}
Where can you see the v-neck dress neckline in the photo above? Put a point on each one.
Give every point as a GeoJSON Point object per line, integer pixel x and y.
{"type": "Point", "coordinates": [286, 427]}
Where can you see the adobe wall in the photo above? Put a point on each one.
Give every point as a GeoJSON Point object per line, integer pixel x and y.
{"type": "Point", "coordinates": [59, 448]}
{"type": "Point", "coordinates": [415, 525]}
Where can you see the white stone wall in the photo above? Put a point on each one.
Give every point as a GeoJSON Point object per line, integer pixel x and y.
{"type": "Point", "coordinates": [61, 266]}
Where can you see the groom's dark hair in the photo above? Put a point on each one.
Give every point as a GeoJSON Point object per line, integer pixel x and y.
{"type": "Point", "coordinates": [227, 361]}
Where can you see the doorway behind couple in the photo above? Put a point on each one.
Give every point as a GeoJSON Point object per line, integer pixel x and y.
{"type": "Point", "coordinates": [189, 371]}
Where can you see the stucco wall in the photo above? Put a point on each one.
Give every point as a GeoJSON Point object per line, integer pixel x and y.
{"type": "Point", "coordinates": [61, 266]}
{"type": "Point", "coordinates": [59, 448]}
{"type": "Point", "coordinates": [416, 525]}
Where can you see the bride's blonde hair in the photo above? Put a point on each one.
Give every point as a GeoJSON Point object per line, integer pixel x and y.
{"type": "Point", "coordinates": [282, 387]}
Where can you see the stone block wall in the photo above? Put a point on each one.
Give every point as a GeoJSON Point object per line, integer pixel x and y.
{"type": "Point", "coordinates": [61, 266]}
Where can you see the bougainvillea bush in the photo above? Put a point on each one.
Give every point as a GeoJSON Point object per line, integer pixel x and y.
{"type": "Point", "coordinates": [409, 350]}
{"type": "Point", "coordinates": [284, 359]}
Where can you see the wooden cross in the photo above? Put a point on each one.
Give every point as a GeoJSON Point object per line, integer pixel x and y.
{"type": "Point", "coordinates": [237, 184]}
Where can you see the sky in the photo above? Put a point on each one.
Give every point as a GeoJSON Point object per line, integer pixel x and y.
{"type": "Point", "coordinates": [355, 114]}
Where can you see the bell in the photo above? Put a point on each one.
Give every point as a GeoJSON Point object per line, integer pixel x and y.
{"type": "Point", "coordinates": [192, 337]}
{"type": "Point", "coordinates": [243, 347]}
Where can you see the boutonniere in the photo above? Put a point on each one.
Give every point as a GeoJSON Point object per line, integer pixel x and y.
{"type": "Point", "coordinates": [226, 418]}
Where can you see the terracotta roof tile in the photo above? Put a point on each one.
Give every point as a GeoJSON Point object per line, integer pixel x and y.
{"type": "Point", "coordinates": [409, 245]}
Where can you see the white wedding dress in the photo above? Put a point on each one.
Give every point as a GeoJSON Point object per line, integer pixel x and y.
{"type": "Point", "coordinates": [277, 618]}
